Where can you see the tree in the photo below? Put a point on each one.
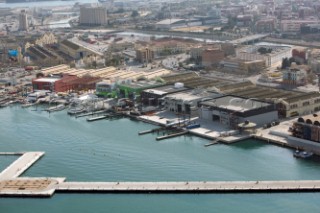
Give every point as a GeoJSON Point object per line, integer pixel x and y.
{"type": "Point", "coordinates": [285, 63]}
{"type": "Point", "coordinates": [134, 14]}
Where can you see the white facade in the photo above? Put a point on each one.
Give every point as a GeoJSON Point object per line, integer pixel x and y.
{"type": "Point", "coordinates": [186, 102]}
{"type": "Point", "coordinates": [295, 25]}
{"type": "Point", "coordinates": [232, 110]}
{"type": "Point", "coordinates": [93, 15]}
{"type": "Point", "coordinates": [278, 53]}
{"type": "Point", "coordinates": [301, 106]}
{"type": "Point", "coordinates": [294, 76]}
{"type": "Point", "coordinates": [23, 21]}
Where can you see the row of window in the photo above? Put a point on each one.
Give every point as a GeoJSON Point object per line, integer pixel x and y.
{"type": "Point", "coordinates": [306, 103]}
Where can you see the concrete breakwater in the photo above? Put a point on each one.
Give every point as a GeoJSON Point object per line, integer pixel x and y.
{"type": "Point", "coordinates": [12, 185]}
{"type": "Point", "coordinates": [190, 187]}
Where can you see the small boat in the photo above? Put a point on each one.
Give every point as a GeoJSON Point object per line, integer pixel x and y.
{"type": "Point", "coordinates": [193, 126]}
{"type": "Point", "coordinates": [27, 105]}
{"type": "Point", "coordinates": [76, 110]}
{"type": "Point", "coordinates": [302, 154]}
{"type": "Point", "coordinates": [56, 108]}
{"type": "Point", "coordinates": [97, 118]}
{"type": "Point", "coordinates": [7, 103]}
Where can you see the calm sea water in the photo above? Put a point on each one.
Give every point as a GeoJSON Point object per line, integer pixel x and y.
{"type": "Point", "coordinates": [113, 151]}
{"type": "Point", "coordinates": [6, 160]}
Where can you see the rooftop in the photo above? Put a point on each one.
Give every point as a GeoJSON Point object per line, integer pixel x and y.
{"type": "Point", "coordinates": [70, 44]}
{"type": "Point", "coordinates": [192, 95]}
{"type": "Point", "coordinates": [268, 49]}
{"type": "Point", "coordinates": [48, 80]}
{"type": "Point", "coordinates": [249, 90]}
{"type": "Point", "coordinates": [235, 103]}
{"type": "Point", "coordinates": [141, 84]}
{"type": "Point", "coordinates": [165, 90]}
{"type": "Point", "coordinates": [169, 21]}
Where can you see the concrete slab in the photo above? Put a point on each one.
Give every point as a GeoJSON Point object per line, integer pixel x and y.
{"type": "Point", "coordinates": [20, 165]}
{"type": "Point", "coordinates": [190, 187]}
{"type": "Point", "coordinates": [29, 187]}
{"type": "Point", "coordinates": [208, 129]}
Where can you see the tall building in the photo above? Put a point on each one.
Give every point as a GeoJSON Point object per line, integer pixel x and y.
{"type": "Point", "coordinates": [93, 15]}
{"type": "Point", "coordinates": [23, 21]}
{"type": "Point", "coordinates": [144, 55]}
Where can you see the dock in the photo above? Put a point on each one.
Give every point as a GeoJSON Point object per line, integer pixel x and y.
{"type": "Point", "coordinates": [151, 131]}
{"type": "Point", "coordinates": [20, 165]}
{"type": "Point", "coordinates": [216, 141]}
{"type": "Point", "coordinates": [13, 186]}
{"type": "Point", "coordinates": [91, 113]}
{"type": "Point", "coordinates": [97, 118]}
{"type": "Point", "coordinates": [171, 135]}
{"type": "Point", "coordinates": [190, 187]}
{"type": "Point", "coordinates": [29, 187]}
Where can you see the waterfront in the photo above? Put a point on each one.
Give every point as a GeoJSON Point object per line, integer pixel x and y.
{"type": "Point", "coordinates": [100, 151]}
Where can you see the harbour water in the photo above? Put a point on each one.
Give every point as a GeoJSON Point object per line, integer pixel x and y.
{"type": "Point", "coordinates": [112, 151]}
{"type": "Point", "coordinates": [6, 160]}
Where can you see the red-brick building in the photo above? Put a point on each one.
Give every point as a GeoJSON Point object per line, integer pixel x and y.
{"type": "Point", "coordinates": [211, 57]}
{"type": "Point", "coordinates": [54, 84]}
{"type": "Point", "coordinates": [84, 83]}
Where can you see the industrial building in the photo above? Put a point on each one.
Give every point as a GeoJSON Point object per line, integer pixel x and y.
{"type": "Point", "coordinates": [106, 89]}
{"type": "Point", "coordinates": [288, 103]}
{"type": "Point", "coordinates": [132, 90]}
{"type": "Point", "coordinates": [155, 96]}
{"type": "Point", "coordinates": [78, 51]}
{"type": "Point", "coordinates": [53, 84]}
{"type": "Point", "coordinates": [93, 15]}
{"type": "Point", "coordinates": [107, 74]}
{"type": "Point", "coordinates": [235, 65]}
{"type": "Point", "coordinates": [307, 127]}
{"type": "Point", "coordinates": [187, 102]}
{"type": "Point", "coordinates": [65, 82]}
{"type": "Point", "coordinates": [193, 80]}
{"type": "Point", "coordinates": [272, 55]}
{"type": "Point", "coordinates": [55, 69]}
{"type": "Point", "coordinates": [232, 110]}
{"type": "Point", "coordinates": [84, 83]}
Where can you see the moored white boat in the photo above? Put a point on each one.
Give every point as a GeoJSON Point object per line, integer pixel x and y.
{"type": "Point", "coordinates": [56, 108]}
{"type": "Point", "coordinates": [302, 154]}
{"type": "Point", "coordinates": [27, 105]}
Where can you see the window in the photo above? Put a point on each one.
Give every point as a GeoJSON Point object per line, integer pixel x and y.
{"type": "Point", "coordinates": [306, 103]}
{"type": "Point", "coordinates": [293, 106]}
